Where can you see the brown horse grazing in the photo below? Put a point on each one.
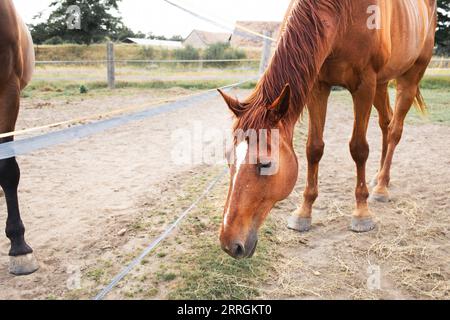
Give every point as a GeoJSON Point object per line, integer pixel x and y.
{"type": "Point", "coordinates": [17, 64]}
{"type": "Point", "coordinates": [358, 44]}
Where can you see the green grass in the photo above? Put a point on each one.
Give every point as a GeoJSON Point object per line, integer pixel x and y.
{"type": "Point", "coordinates": [436, 92]}
{"type": "Point", "coordinates": [209, 273]}
{"type": "Point", "coordinates": [166, 276]}
{"type": "Point", "coordinates": [48, 90]}
{"type": "Point", "coordinates": [100, 272]}
{"type": "Point", "coordinates": [215, 276]}
{"type": "Point", "coordinates": [96, 274]}
{"type": "Point", "coordinates": [191, 264]}
{"type": "Point", "coordinates": [436, 82]}
{"type": "Point", "coordinates": [438, 104]}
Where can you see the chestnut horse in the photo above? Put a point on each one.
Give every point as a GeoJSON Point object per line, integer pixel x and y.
{"type": "Point", "coordinates": [17, 64]}
{"type": "Point", "coordinates": [360, 45]}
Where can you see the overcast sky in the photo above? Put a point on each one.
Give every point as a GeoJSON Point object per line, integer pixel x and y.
{"type": "Point", "coordinates": [162, 19]}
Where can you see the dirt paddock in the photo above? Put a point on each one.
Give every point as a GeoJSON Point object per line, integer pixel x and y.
{"type": "Point", "coordinates": [91, 206]}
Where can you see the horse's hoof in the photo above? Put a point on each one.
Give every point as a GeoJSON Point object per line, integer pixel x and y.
{"type": "Point", "coordinates": [378, 197]}
{"type": "Point", "coordinates": [299, 224]}
{"type": "Point", "coordinates": [362, 224]}
{"type": "Point", "coordinates": [23, 265]}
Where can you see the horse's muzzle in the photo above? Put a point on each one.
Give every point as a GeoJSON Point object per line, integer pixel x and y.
{"type": "Point", "coordinates": [240, 250]}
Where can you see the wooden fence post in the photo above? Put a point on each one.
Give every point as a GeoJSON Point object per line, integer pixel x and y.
{"type": "Point", "coordinates": [110, 65]}
{"type": "Point", "coordinates": [266, 53]}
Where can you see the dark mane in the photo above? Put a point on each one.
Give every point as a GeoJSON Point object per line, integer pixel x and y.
{"type": "Point", "coordinates": [297, 61]}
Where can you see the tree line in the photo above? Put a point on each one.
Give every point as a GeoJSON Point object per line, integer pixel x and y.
{"type": "Point", "coordinates": [443, 32]}
{"type": "Point", "coordinates": [100, 20]}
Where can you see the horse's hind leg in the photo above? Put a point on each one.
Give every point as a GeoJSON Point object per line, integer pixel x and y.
{"type": "Point", "coordinates": [317, 108]}
{"type": "Point", "coordinates": [383, 106]}
{"type": "Point", "coordinates": [407, 91]}
{"type": "Point", "coordinates": [22, 260]}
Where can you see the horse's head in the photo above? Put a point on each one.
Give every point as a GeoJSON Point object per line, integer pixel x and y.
{"type": "Point", "coordinates": [263, 168]}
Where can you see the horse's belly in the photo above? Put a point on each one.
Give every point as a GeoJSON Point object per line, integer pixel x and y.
{"type": "Point", "coordinates": [395, 68]}
{"type": "Point", "coordinates": [410, 23]}
{"type": "Point", "coordinates": [27, 54]}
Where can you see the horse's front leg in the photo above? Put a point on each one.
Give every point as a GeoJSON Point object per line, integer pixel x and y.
{"type": "Point", "coordinates": [317, 109]}
{"type": "Point", "coordinates": [363, 99]}
{"type": "Point", "coordinates": [22, 260]}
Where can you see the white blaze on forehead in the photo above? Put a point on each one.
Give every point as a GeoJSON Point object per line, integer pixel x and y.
{"type": "Point", "coordinates": [241, 153]}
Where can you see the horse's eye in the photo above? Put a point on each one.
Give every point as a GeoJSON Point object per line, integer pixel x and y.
{"type": "Point", "coordinates": [265, 165]}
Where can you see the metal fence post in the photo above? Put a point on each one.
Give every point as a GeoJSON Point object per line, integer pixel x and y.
{"type": "Point", "coordinates": [110, 65]}
{"type": "Point", "coordinates": [267, 50]}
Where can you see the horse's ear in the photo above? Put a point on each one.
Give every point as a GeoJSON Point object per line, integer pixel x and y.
{"type": "Point", "coordinates": [280, 107]}
{"type": "Point", "coordinates": [232, 103]}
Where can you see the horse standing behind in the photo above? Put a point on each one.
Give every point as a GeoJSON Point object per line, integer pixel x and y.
{"type": "Point", "coordinates": [17, 65]}
{"type": "Point", "coordinates": [360, 45]}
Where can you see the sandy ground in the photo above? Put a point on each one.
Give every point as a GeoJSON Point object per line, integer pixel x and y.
{"type": "Point", "coordinates": [76, 198]}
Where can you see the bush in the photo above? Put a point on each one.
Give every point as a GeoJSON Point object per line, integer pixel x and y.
{"type": "Point", "coordinates": [187, 53]}
{"type": "Point", "coordinates": [148, 52]}
{"type": "Point", "coordinates": [54, 40]}
{"type": "Point", "coordinates": [223, 51]}
{"type": "Point", "coordinates": [83, 89]}
{"type": "Point", "coordinates": [164, 54]}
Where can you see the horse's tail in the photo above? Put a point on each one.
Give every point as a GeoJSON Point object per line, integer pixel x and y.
{"type": "Point", "coordinates": [419, 102]}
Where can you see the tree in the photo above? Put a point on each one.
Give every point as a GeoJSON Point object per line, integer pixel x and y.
{"type": "Point", "coordinates": [124, 32]}
{"type": "Point", "coordinates": [177, 38]}
{"type": "Point", "coordinates": [99, 20]}
{"type": "Point", "coordinates": [39, 33]}
{"type": "Point", "coordinates": [152, 36]}
{"type": "Point", "coordinates": [443, 32]}
{"type": "Point", "coordinates": [187, 53]}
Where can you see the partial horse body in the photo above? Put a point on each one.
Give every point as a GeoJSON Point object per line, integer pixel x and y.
{"type": "Point", "coordinates": [17, 65]}
{"type": "Point", "coordinates": [360, 45]}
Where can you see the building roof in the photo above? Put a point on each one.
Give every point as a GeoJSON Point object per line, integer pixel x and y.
{"type": "Point", "coordinates": [155, 43]}
{"type": "Point", "coordinates": [244, 39]}
{"type": "Point", "coordinates": [211, 37]}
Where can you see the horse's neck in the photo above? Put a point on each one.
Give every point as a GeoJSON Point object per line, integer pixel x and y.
{"type": "Point", "coordinates": [310, 31]}
{"type": "Point", "coordinates": [286, 18]}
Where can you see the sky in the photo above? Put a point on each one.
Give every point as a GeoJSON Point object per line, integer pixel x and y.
{"type": "Point", "coordinates": [160, 18]}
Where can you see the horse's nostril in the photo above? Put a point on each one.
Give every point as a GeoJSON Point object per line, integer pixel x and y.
{"type": "Point", "coordinates": [238, 250]}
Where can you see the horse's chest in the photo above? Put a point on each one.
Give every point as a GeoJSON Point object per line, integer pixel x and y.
{"type": "Point", "coordinates": [340, 73]}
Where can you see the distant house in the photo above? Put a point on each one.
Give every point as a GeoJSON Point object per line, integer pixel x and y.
{"type": "Point", "coordinates": [202, 39]}
{"type": "Point", "coordinates": [241, 38]}
{"type": "Point", "coordinates": [154, 43]}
